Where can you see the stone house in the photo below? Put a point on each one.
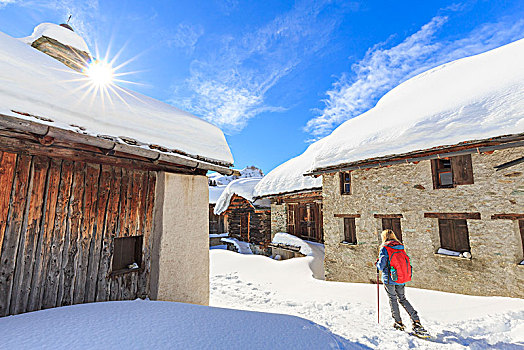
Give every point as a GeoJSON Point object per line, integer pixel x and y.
{"type": "Point", "coordinates": [440, 161]}
{"type": "Point", "coordinates": [97, 201]}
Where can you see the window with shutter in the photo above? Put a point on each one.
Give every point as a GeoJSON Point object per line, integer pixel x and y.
{"type": "Point", "coordinates": [350, 234]}
{"type": "Point", "coordinates": [394, 225]}
{"type": "Point", "coordinates": [452, 171]}
{"type": "Point", "coordinates": [127, 254]}
{"type": "Point", "coordinates": [454, 235]}
{"type": "Point", "coordinates": [345, 183]}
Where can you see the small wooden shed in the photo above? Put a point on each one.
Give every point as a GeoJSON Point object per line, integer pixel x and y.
{"type": "Point", "coordinates": [248, 221]}
{"type": "Point", "coordinates": [84, 188]}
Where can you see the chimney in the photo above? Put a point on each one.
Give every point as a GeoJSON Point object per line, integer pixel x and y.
{"type": "Point", "coordinates": [62, 43]}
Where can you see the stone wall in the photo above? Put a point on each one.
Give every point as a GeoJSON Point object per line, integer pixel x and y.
{"type": "Point", "coordinates": [278, 218]}
{"type": "Point", "coordinates": [407, 189]}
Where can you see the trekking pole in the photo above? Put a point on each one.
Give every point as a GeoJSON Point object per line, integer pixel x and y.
{"type": "Point", "coordinates": [378, 299]}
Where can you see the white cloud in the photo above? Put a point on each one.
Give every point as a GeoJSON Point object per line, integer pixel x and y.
{"type": "Point", "coordinates": [229, 86]}
{"type": "Point", "coordinates": [6, 2]}
{"type": "Point", "coordinates": [185, 36]}
{"type": "Point", "coordinates": [383, 68]}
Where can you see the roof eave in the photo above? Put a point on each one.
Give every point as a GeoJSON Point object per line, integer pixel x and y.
{"type": "Point", "coordinates": [43, 130]}
{"type": "Point", "coordinates": [466, 147]}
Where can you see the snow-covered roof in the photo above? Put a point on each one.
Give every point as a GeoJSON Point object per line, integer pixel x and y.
{"type": "Point", "coordinates": [289, 176]}
{"type": "Point", "coordinates": [61, 34]}
{"type": "Point", "coordinates": [215, 192]}
{"type": "Point", "coordinates": [33, 83]}
{"type": "Point", "coordinates": [473, 98]}
{"type": "Point", "coordinates": [243, 188]}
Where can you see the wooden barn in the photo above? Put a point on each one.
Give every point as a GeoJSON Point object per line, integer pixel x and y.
{"type": "Point", "coordinates": [303, 214]}
{"type": "Point", "coordinates": [248, 220]}
{"type": "Point", "coordinates": [97, 202]}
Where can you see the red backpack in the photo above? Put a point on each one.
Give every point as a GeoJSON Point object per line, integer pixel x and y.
{"type": "Point", "coordinates": [398, 263]}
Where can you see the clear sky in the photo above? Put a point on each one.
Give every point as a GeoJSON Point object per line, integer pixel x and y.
{"type": "Point", "coordinates": [275, 75]}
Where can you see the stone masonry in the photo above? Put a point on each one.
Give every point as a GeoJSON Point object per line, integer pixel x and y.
{"type": "Point", "coordinates": [407, 189]}
{"type": "Point", "coordinates": [278, 218]}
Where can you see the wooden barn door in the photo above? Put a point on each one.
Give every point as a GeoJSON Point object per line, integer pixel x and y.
{"type": "Point", "coordinates": [58, 220]}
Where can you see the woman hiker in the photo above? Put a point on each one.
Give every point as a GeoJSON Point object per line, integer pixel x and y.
{"type": "Point", "coordinates": [395, 290]}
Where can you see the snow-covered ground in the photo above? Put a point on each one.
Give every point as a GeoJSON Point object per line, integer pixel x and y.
{"type": "Point", "coordinates": [160, 325]}
{"type": "Point", "coordinates": [258, 283]}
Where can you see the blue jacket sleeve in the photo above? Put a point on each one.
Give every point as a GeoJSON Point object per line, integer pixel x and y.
{"type": "Point", "coordinates": [382, 259]}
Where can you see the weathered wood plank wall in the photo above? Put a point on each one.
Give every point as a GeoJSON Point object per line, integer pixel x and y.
{"type": "Point", "coordinates": [58, 219]}
{"type": "Point", "coordinates": [247, 223]}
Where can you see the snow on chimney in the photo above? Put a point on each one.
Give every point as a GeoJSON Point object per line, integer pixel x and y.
{"type": "Point", "coordinates": [62, 43]}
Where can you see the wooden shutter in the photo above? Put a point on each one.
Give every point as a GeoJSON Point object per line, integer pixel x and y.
{"type": "Point", "coordinates": [461, 235]}
{"type": "Point", "coordinates": [446, 234]}
{"type": "Point", "coordinates": [350, 235]}
{"type": "Point", "coordinates": [394, 225]}
{"type": "Point", "coordinates": [396, 228]}
{"type": "Point", "coordinates": [291, 208]}
{"type": "Point", "coordinates": [462, 168]}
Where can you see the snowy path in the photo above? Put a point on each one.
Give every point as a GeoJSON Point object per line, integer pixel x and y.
{"type": "Point", "coordinates": [349, 310]}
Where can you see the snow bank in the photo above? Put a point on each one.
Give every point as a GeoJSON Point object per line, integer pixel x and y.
{"type": "Point", "coordinates": [160, 325]}
{"type": "Point", "coordinates": [289, 176]}
{"type": "Point", "coordinates": [257, 283]}
{"type": "Point", "coordinates": [242, 247]}
{"type": "Point", "coordinates": [472, 98]}
{"type": "Point", "coordinates": [294, 241]}
{"type": "Point", "coordinates": [240, 187]}
{"type": "Point", "coordinates": [61, 34]}
{"type": "Point", "coordinates": [34, 83]}
{"type": "Point", "coordinates": [215, 192]}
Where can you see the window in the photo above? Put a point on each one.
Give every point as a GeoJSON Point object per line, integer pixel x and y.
{"type": "Point", "coordinates": [127, 254]}
{"type": "Point", "coordinates": [350, 231]}
{"type": "Point", "coordinates": [345, 183]}
{"type": "Point", "coordinates": [394, 225]}
{"type": "Point", "coordinates": [454, 235]}
{"type": "Point", "coordinates": [452, 171]}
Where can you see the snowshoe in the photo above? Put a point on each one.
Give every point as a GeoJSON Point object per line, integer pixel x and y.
{"type": "Point", "coordinates": [419, 331]}
{"type": "Point", "coordinates": [399, 326]}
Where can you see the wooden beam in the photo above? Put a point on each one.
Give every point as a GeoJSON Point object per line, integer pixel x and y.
{"type": "Point", "coordinates": [509, 164]}
{"type": "Point", "coordinates": [471, 216]}
{"type": "Point", "coordinates": [388, 216]}
{"type": "Point", "coordinates": [23, 144]}
{"type": "Point", "coordinates": [509, 216]}
{"type": "Point", "coordinates": [347, 215]}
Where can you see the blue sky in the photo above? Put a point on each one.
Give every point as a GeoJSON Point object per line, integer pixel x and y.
{"type": "Point", "coordinates": [275, 75]}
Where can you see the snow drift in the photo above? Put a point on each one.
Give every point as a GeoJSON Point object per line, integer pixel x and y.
{"type": "Point", "coordinates": [160, 325]}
